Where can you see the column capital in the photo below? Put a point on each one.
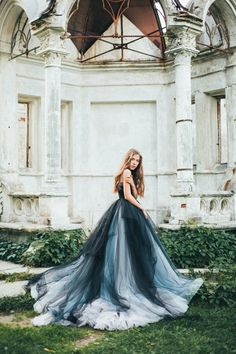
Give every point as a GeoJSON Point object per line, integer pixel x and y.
{"type": "Point", "coordinates": [51, 44]}
{"type": "Point", "coordinates": [182, 42]}
{"type": "Point", "coordinates": [182, 32]}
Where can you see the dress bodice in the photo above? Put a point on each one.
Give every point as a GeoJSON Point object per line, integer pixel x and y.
{"type": "Point", "coordinates": [121, 190]}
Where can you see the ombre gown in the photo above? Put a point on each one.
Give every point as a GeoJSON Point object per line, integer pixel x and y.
{"type": "Point", "coordinates": [121, 278]}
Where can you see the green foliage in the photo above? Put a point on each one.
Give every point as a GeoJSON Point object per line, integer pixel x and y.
{"type": "Point", "coordinates": [45, 249]}
{"type": "Point", "coordinates": [199, 247]}
{"type": "Point", "coordinates": [53, 248]}
{"type": "Point", "coordinates": [16, 303]}
{"type": "Point", "coordinates": [12, 251]}
{"type": "Point", "coordinates": [188, 247]}
{"type": "Point", "coordinates": [219, 288]}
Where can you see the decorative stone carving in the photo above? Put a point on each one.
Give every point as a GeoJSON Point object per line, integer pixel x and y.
{"type": "Point", "coordinates": [18, 206]}
{"type": "Point", "coordinates": [217, 208]}
{"type": "Point", "coordinates": [52, 59]}
{"type": "Point", "coordinates": [182, 40]}
{"type": "Point", "coordinates": [26, 207]}
{"type": "Point", "coordinates": [205, 208]}
{"type": "Point", "coordinates": [50, 40]}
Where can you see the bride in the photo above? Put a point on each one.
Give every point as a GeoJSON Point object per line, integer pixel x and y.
{"type": "Point", "coordinates": [123, 276]}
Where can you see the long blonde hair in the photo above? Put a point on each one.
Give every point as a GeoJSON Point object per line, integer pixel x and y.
{"type": "Point", "coordinates": [137, 173]}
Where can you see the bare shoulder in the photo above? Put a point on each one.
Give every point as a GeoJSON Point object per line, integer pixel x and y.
{"type": "Point", "coordinates": [127, 173]}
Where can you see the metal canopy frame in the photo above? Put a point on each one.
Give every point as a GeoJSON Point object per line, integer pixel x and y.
{"type": "Point", "coordinates": [177, 4]}
{"type": "Point", "coordinates": [20, 38]}
{"type": "Point", "coordinates": [116, 15]}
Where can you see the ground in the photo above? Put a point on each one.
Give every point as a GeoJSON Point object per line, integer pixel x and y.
{"type": "Point", "coordinates": [203, 330]}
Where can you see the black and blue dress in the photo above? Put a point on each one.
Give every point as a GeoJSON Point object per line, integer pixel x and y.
{"type": "Point", "coordinates": [121, 278]}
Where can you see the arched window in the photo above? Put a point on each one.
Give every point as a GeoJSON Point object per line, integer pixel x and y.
{"type": "Point", "coordinates": [21, 39]}
{"type": "Point", "coordinates": [216, 34]}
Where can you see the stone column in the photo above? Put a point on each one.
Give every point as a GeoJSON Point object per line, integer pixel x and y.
{"type": "Point", "coordinates": [185, 205]}
{"type": "Point", "coordinates": [53, 117]}
{"type": "Point", "coordinates": [54, 199]}
{"type": "Point", "coordinates": [183, 50]}
{"type": "Point", "coordinates": [231, 119]}
{"type": "Point", "coordinates": [231, 109]}
{"type": "Point", "coordinates": [53, 52]}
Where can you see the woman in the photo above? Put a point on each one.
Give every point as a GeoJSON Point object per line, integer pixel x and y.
{"type": "Point", "coordinates": [122, 277]}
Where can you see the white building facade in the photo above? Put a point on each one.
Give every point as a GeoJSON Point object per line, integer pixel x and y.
{"type": "Point", "coordinates": [82, 81]}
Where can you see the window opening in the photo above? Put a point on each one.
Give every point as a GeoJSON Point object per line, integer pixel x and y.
{"type": "Point", "coordinates": [66, 136]}
{"type": "Point", "coordinates": [21, 38]}
{"type": "Point", "coordinates": [216, 34]}
{"type": "Point", "coordinates": [222, 136]}
{"type": "Point", "coordinates": [29, 134]}
{"type": "Point", "coordinates": [193, 112]}
{"type": "Point", "coordinates": [24, 127]}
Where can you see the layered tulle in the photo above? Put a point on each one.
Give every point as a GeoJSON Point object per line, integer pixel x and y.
{"type": "Point", "coordinates": [122, 277]}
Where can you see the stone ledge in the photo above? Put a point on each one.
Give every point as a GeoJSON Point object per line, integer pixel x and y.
{"type": "Point", "coordinates": [200, 195]}
{"type": "Point", "coordinates": [29, 227]}
{"type": "Point", "coordinates": [38, 194]}
{"type": "Point", "coordinates": [231, 225]}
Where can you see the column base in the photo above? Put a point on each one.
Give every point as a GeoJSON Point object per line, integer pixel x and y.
{"type": "Point", "coordinates": [54, 186]}
{"type": "Point", "coordinates": [185, 208]}
{"type": "Point", "coordinates": [53, 208]}
{"type": "Point", "coordinates": [183, 187]}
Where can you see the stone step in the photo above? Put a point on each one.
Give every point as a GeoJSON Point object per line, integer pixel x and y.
{"type": "Point", "coordinates": [12, 289]}
{"type": "Point", "coordinates": [15, 288]}
{"type": "Point", "coordinates": [10, 268]}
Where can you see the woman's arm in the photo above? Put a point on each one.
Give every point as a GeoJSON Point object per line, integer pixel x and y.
{"type": "Point", "coordinates": [130, 180]}
{"type": "Point", "coordinates": [127, 192]}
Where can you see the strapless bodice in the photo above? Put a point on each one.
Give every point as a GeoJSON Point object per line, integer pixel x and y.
{"type": "Point", "coordinates": [121, 190]}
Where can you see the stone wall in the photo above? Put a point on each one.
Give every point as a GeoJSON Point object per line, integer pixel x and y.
{"type": "Point", "coordinates": [84, 117]}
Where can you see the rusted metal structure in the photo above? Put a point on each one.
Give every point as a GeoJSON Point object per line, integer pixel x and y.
{"type": "Point", "coordinates": [89, 20]}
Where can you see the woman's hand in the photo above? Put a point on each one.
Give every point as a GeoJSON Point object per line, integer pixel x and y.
{"type": "Point", "coordinates": [145, 213]}
{"type": "Point", "coordinates": [129, 179]}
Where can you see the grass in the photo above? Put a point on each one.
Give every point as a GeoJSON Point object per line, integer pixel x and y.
{"type": "Point", "coordinates": [11, 278]}
{"type": "Point", "coordinates": [200, 331]}
{"type": "Point", "coordinates": [34, 340]}
{"type": "Point", "coordinates": [203, 330]}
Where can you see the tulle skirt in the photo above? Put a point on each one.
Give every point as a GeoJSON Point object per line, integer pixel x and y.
{"type": "Point", "coordinates": [122, 278]}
